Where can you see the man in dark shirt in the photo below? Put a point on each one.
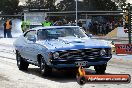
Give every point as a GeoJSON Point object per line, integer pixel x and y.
{"type": "Point", "coordinates": [5, 30]}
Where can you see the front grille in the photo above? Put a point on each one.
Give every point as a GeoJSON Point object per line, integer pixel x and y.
{"type": "Point", "coordinates": [81, 53]}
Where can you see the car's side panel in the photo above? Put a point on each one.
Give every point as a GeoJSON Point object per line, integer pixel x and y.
{"type": "Point", "coordinates": [20, 45]}
{"type": "Point", "coordinates": [42, 50]}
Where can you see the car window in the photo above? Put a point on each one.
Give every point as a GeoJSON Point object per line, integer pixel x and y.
{"type": "Point", "coordinates": [55, 33]}
{"type": "Point", "coordinates": [42, 34]}
{"type": "Point", "coordinates": [30, 34]}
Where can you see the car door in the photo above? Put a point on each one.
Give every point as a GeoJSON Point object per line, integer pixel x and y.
{"type": "Point", "coordinates": [30, 51]}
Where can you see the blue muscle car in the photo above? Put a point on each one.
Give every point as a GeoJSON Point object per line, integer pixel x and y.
{"type": "Point", "coordinates": [60, 47]}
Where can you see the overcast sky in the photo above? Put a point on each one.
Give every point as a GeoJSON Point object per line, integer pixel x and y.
{"type": "Point", "coordinates": [129, 1]}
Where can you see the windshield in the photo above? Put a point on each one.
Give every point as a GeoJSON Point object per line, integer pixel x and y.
{"type": "Point", "coordinates": [55, 33]}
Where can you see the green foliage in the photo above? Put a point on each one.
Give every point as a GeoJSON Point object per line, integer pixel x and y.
{"type": "Point", "coordinates": [9, 7]}
{"type": "Point", "coordinates": [87, 5]}
{"type": "Point", "coordinates": [50, 4]}
{"type": "Point", "coordinates": [66, 5]}
{"type": "Point", "coordinates": [45, 4]}
{"type": "Point", "coordinates": [119, 1]}
{"type": "Point", "coordinates": [105, 5]}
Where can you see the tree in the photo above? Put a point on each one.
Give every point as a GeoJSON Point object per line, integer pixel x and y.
{"type": "Point", "coordinates": [50, 4]}
{"type": "Point", "coordinates": [35, 3]}
{"type": "Point", "coordinates": [119, 2]}
{"type": "Point", "coordinates": [66, 5]}
{"type": "Point", "coordinates": [9, 7]}
{"type": "Point", "coordinates": [87, 5]}
{"type": "Point", "coordinates": [44, 4]}
{"type": "Point", "coordinates": [90, 5]}
{"type": "Point", "coordinates": [100, 5]}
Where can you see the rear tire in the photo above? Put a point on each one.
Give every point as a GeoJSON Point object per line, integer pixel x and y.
{"type": "Point", "coordinates": [100, 69]}
{"type": "Point", "coordinates": [22, 65]}
{"type": "Point", "coordinates": [44, 69]}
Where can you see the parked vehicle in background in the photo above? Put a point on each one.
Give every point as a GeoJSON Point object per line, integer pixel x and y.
{"type": "Point", "coordinates": [61, 47]}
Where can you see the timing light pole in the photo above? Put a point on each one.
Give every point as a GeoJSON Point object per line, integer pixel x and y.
{"type": "Point", "coordinates": [127, 8]}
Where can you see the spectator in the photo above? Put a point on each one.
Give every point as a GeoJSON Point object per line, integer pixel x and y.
{"type": "Point", "coordinates": [46, 22]}
{"type": "Point", "coordinates": [104, 29]}
{"type": "Point", "coordinates": [110, 27]}
{"type": "Point", "coordinates": [7, 28]}
{"type": "Point", "coordinates": [107, 28]}
{"type": "Point", "coordinates": [25, 25]}
{"type": "Point", "coordinates": [58, 23]}
{"type": "Point", "coordinates": [79, 24]}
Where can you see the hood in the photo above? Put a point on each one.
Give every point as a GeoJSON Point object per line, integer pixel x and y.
{"type": "Point", "coordinates": [69, 43]}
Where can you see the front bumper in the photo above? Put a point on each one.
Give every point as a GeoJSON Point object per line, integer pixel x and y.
{"type": "Point", "coordinates": [59, 63]}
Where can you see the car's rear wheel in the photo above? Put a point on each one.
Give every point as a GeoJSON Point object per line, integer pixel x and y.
{"type": "Point", "coordinates": [44, 69]}
{"type": "Point", "coordinates": [22, 65]}
{"type": "Point", "coordinates": [100, 69]}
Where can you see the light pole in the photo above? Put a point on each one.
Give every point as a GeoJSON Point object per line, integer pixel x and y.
{"type": "Point", "coordinates": [76, 13]}
{"type": "Point", "coordinates": [128, 18]}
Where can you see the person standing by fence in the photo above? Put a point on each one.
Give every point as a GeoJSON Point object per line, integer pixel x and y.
{"type": "Point", "coordinates": [7, 28]}
{"type": "Point", "coordinates": [25, 25]}
{"type": "Point", "coordinates": [46, 22]}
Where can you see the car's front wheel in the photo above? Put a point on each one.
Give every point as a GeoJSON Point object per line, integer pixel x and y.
{"type": "Point", "coordinates": [100, 69]}
{"type": "Point", "coordinates": [44, 69]}
{"type": "Point", "coordinates": [22, 65]}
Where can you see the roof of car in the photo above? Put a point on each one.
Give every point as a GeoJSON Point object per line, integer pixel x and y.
{"type": "Point", "coordinates": [48, 27]}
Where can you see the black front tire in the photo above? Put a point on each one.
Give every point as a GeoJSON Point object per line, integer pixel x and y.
{"type": "Point", "coordinates": [45, 70]}
{"type": "Point", "coordinates": [21, 64]}
{"type": "Point", "coordinates": [100, 69]}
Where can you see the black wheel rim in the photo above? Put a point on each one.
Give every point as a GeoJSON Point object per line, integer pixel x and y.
{"type": "Point", "coordinates": [18, 60]}
{"type": "Point", "coordinates": [42, 66]}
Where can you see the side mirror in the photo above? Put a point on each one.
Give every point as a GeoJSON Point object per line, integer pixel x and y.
{"type": "Point", "coordinates": [32, 38]}
{"type": "Point", "coordinates": [90, 35]}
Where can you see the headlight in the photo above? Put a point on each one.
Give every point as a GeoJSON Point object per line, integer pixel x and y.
{"type": "Point", "coordinates": [103, 52]}
{"type": "Point", "coordinates": [56, 55]}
